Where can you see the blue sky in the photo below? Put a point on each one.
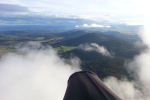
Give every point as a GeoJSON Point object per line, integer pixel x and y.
{"type": "Point", "coordinates": [27, 12]}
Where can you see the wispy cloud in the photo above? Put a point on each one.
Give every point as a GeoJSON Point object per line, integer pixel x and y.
{"type": "Point", "coordinates": [94, 47]}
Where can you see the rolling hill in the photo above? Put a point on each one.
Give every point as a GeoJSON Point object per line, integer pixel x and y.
{"type": "Point", "coordinates": [88, 38]}
{"type": "Point", "coordinates": [119, 47]}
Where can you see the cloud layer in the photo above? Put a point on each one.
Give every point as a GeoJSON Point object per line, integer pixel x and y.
{"type": "Point", "coordinates": [139, 67]}
{"type": "Point", "coordinates": [126, 11]}
{"type": "Point", "coordinates": [94, 47]}
{"type": "Point", "coordinates": [34, 72]}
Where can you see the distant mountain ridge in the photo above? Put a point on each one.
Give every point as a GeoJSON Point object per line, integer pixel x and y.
{"type": "Point", "coordinates": [72, 34]}
{"type": "Point", "coordinates": [77, 33]}
{"type": "Point", "coordinates": [89, 38]}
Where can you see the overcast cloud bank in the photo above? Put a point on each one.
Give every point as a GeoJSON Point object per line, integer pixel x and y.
{"type": "Point", "coordinates": [126, 11]}
{"type": "Point", "coordinates": [35, 72]}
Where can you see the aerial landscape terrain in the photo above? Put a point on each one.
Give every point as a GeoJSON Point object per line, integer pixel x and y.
{"type": "Point", "coordinates": [67, 43]}
{"type": "Point", "coordinates": [105, 52]}
{"type": "Point", "coordinates": [43, 42]}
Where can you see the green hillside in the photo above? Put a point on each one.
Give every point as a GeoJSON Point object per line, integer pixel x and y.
{"type": "Point", "coordinates": [94, 61]}
{"type": "Point", "coordinates": [88, 38]}
{"type": "Point", "coordinates": [105, 67]}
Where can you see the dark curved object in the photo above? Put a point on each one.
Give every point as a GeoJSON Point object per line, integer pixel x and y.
{"type": "Point", "coordinates": [86, 85]}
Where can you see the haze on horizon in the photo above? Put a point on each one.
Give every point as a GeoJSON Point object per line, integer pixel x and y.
{"type": "Point", "coordinates": [37, 12]}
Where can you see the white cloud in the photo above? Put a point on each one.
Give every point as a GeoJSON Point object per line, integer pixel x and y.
{"type": "Point", "coordinates": [94, 25]}
{"type": "Point", "coordinates": [139, 67]}
{"type": "Point", "coordinates": [126, 90]}
{"type": "Point", "coordinates": [139, 88]}
{"type": "Point", "coordinates": [94, 47]}
{"type": "Point", "coordinates": [85, 25]}
{"type": "Point", "coordinates": [34, 72]}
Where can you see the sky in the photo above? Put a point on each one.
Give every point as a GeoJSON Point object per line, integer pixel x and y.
{"type": "Point", "coordinates": [35, 12]}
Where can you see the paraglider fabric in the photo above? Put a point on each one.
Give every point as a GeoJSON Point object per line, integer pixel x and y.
{"type": "Point", "coordinates": [86, 85]}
